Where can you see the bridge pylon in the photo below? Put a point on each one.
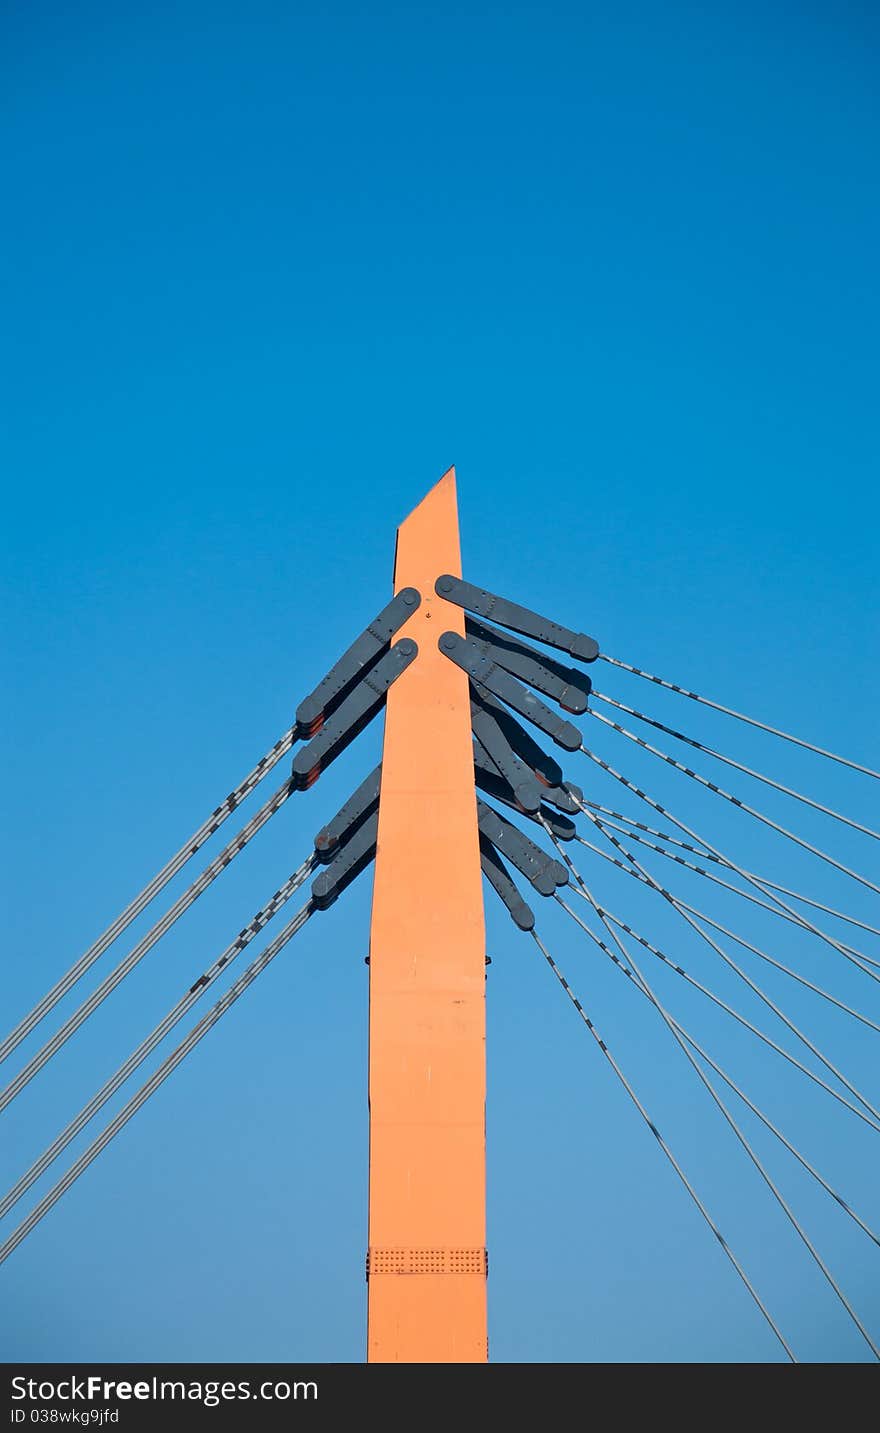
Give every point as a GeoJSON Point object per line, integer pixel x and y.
{"type": "Point", "coordinates": [427, 1261]}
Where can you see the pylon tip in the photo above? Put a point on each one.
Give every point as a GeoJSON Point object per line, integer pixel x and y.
{"type": "Point", "coordinates": [443, 490]}
{"type": "Point", "coordinates": [435, 520]}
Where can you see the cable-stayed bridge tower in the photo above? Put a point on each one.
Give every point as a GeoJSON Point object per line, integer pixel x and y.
{"type": "Point", "coordinates": [485, 702]}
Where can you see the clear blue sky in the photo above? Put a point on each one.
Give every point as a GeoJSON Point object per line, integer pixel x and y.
{"type": "Point", "coordinates": [268, 270]}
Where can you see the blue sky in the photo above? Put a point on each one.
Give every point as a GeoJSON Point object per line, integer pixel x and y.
{"type": "Point", "coordinates": [268, 271]}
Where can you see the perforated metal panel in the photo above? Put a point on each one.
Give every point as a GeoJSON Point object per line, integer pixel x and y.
{"type": "Point", "coordinates": [427, 1261]}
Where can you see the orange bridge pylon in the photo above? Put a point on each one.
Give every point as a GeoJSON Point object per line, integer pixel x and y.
{"type": "Point", "coordinates": [427, 1260]}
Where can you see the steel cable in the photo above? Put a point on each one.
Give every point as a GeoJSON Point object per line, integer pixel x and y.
{"type": "Point", "coordinates": [732, 965]}
{"type": "Point", "coordinates": [157, 1035]}
{"type": "Point", "coordinates": [740, 716]}
{"type": "Point", "coordinates": [140, 902]}
{"type": "Point", "coordinates": [717, 880]}
{"type": "Point", "coordinates": [674, 1031]}
{"type": "Point", "coordinates": [744, 875]}
{"type": "Point", "coordinates": [152, 1084]}
{"type": "Point", "coordinates": [759, 1113]}
{"type": "Point", "coordinates": [741, 940]}
{"type": "Point", "coordinates": [146, 943]}
{"type": "Point", "coordinates": [737, 765]}
{"type": "Point", "coordinates": [763, 882]}
{"type": "Point", "coordinates": [661, 1142]}
{"type": "Point", "coordinates": [735, 801]}
{"type": "Point", "coordinates": [730, 1010]}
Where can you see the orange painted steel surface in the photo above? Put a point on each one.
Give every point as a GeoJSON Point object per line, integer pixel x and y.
{"type": "Point", "coordinates": [427, 1236]}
